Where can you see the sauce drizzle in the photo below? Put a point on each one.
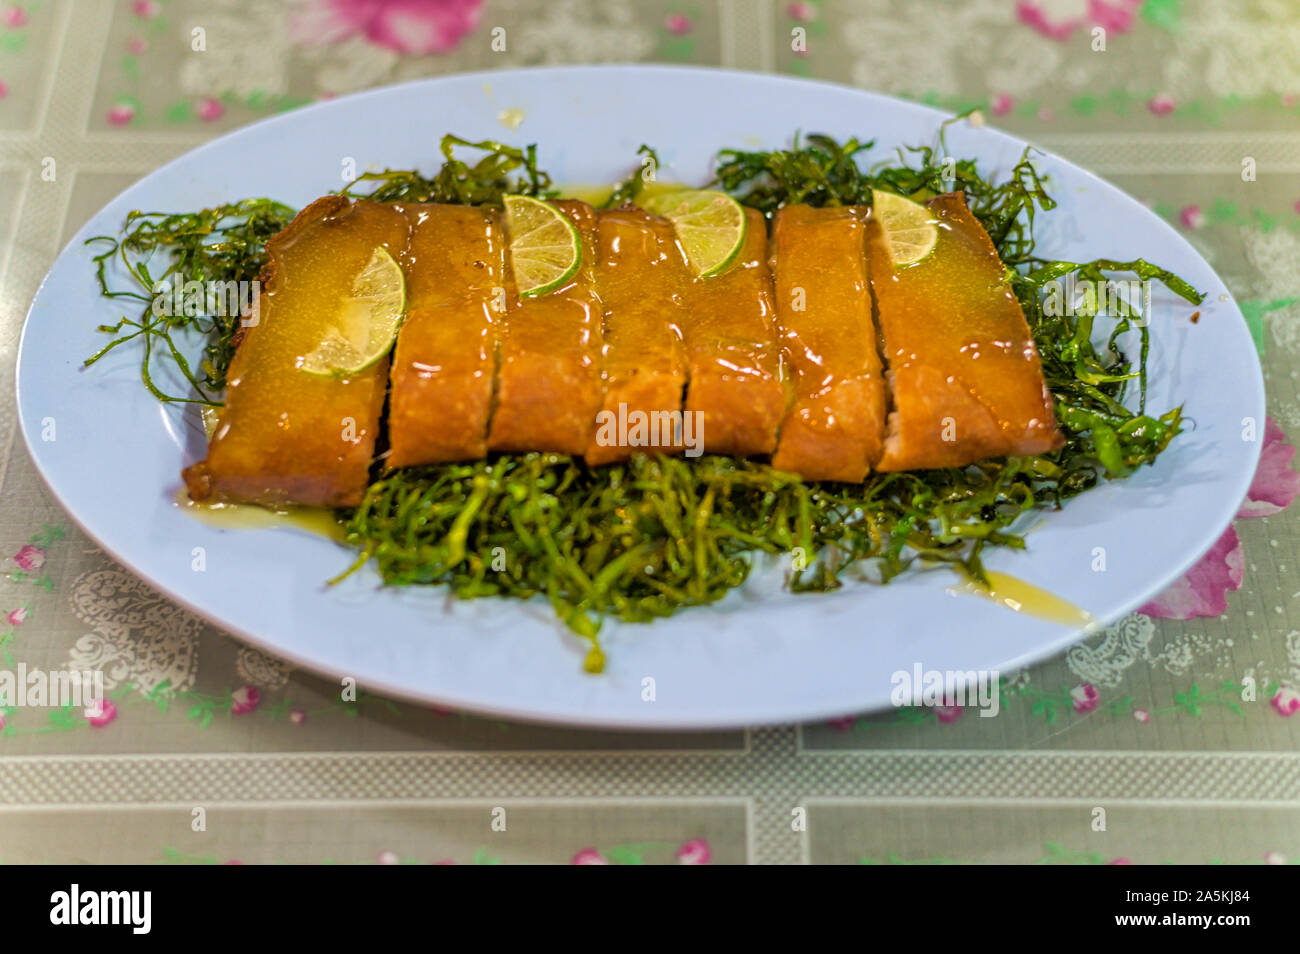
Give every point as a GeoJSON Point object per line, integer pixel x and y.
{"type": "Point", "coordinates": [1021, 597]}
{"type": "Point", "coordinates": [319, 521]}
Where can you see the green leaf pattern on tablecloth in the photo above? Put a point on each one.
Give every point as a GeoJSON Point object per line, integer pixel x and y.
{"type": "Point", "coordinates": [694, 852]}
{"type": "Point", "coordinates": [1056, 854]}
{"type": "Point", "coordinates": [1085, 700]}
{"type": "Point", "coordinates": [1226, 73]}
{"type": "Point", "coordinates": [136, 608]}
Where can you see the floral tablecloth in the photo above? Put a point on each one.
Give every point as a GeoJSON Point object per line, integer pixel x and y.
{"type": "Point", "coordinates": [1180, 721]}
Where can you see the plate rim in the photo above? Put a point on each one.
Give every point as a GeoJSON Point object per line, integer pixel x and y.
{"type": "Point", "coordinates": [616, 721]}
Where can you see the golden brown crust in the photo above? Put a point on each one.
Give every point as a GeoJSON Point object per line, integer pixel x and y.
{"type": "Point", "coordinates": [548, 378]}
{"type": "Point", "coordinates": [965, 380]}
{"type": "Point", "coordinates": [444, 363]}
{"type": "Point", "coordinates": [964, 375]}
{"type": "Point", "coordinates": [835, 425]}
{"type": "Point", "coordinates": [730, 333]}
{"type": "Point", "coordinates": [836, 442]}
{"type": "Point", "coordinates": [284, 436]}
{"type": "Point", "coordinates": [643, 362]}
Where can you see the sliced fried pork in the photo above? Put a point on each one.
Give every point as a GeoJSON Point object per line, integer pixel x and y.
{"type": "Point", "coordinates": [286, 436]}
{"type": "Point", "coordinates": [965, 376]}
{"type": "Point", "coordinates": [835, 425]}
{"type": "Point", "coordinates": [443, 366]}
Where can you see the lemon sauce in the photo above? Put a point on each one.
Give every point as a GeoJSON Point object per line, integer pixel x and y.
{"type": "Point", "coordinates": [319, 521]}
{"type": "Point", "coordinates": [599, 194]}
{"type": "Point", "coordinates": [1019, 596]}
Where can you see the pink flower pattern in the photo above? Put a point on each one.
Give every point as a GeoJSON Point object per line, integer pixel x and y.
{"type": "Point", "coordinates": [694, 852]}
{"type": "Point", "coordinates": [1192, 217]}
{"type": "Point", "coordinates": [589, 856]}
{"type": "Point", "coordinates": [1275, 484]}
{"type": "Point", "coordinates": [121, 114]}
{"type": "Point", "coordinates": [947, 714]}
{"type": "Point", "coordinates": [101, 714]}
{"type": "Point", "coordinates": [30, 557]}
{"type": "Point", "coordinates": [1286, 701]}
{"type": "Point", "coordinates": [411, 27]}
{"type": "Point", "coordinates": [1085, 697]}
{"type": "Point", "coordinates": [1203, 591]}
{"type": "Point", "coordinates": [1161, 105]}
{"type": "Point", "coordinates": [210, 109]}
{"type": "Point", "coordinates": [17, 617]}
{"type": "Point", "coordinates": [1115, 16]}
{"type": "Point", "coordinates": [678, 24]}
{"type": "Point", "coordinates": [244, 700]}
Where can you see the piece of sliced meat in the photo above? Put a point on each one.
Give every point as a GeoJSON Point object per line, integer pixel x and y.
{"type": "Point", "coordinates": [548, 378]}
{"type": "Point", "coordinates": [734, 371]}
{"type": "Point", "coordinates": [836, 423]}
{"type": "Point", "coordinates": [445, 360]}
{"type": "Point", "coordinates": [285, 436]}
{"type": "Point", "coordinates": [965, 377]}
{"type": "Point", "coordinates": [639, 280]}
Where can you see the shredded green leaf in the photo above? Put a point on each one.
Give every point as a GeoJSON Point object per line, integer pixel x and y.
{"type": "Point", "coordinates": [226, 243]}
{"type": "Point", "coordinates": [459, 182]}
{"type": "Point", "coordinates": [643, 539]}
{"type": "Point", "coordinates": [823, 172]}
{"type": "Point", "coordinates": [640, 540]}
{"type": "Point", "coordinates": [627, 190]}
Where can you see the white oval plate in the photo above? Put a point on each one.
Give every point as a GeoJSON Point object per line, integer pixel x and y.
{"type": "Point", "coordinates": [761, 656]}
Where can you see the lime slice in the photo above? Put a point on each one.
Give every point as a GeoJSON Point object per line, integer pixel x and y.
{"type": "Point", "coordinates": [910, 229]}
{"type": "Point", "coordinates": [545, 249]}
{"type": "Point", "coordinates": [367, 322]}
{"type": "Point", "coordinates": [710, 225]}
